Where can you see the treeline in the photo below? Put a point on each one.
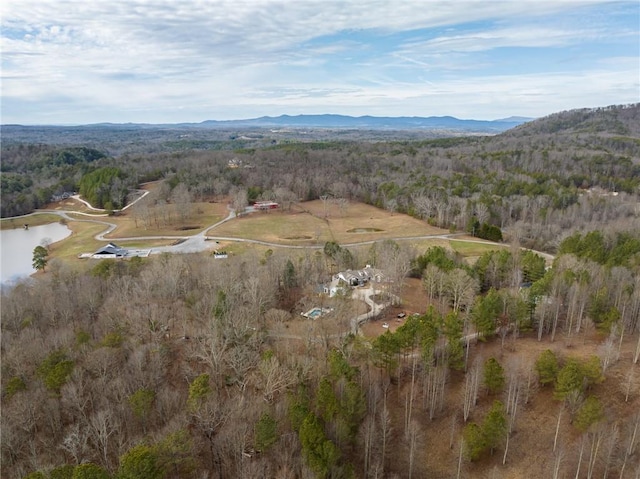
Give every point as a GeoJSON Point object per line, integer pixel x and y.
{"type": "Point", "coordinates": [33, 173]}
{"type": "Point", "coordinates": [105, 188]}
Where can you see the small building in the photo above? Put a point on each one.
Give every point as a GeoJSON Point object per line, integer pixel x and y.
{"type": "Point", "coordinates": [110, 250]}
{"type": "Point", "coordinates": [266, 205]}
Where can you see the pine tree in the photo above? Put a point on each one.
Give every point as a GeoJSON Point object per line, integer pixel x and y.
{"type": "Point", "coordinates": [494, 426]}
{"type": "Point", "coordinates": [589, 413]}
{"type": "Point", "coordinates": [570, 379]}
{"type": "Point", "coordinates": [266, 432]}
{"type": "Point", "coordinates": [493, 376]}
{"type": "Point", "coordinates": [40, 254]}
{"type": "Point", "coordinates": [547, 367]}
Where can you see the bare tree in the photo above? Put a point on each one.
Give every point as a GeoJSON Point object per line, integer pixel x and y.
{"type": "Point", "coordinates": [414, 439]}
{"type": "Point", "coordinates": [471, 388]}
{"type": "Point", "coordinates": [239, 200]}
{"type": "Point", "coordinates": [182, 200]}
{"type": "Point", "coordinates": [461, 288]}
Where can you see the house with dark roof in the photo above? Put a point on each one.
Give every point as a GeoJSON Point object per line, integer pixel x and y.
{"type": "Point", "coordinates": [352, 278]}
{"type": "Point", "coordinates": [110, 250]}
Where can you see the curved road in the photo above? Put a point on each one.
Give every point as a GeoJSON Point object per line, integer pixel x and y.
{"type": "Point", "coordinates": [202, 241]}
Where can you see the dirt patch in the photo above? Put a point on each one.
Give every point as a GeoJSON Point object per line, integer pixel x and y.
{"type": "Point", "coordinates": [187, 228]}
{"type": "Point", "coordinates": [364, 230]}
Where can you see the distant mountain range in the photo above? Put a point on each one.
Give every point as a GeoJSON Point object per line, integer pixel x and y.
{"type": "Point", "coordinates": [344, 122]}
{"type": "Point", "coordinates": [368, 123]}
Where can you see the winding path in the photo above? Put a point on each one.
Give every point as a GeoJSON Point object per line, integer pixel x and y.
{"type": "Point", "coordinates": [203, 241]}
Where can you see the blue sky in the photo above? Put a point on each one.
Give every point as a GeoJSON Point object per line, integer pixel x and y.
{"type": "Point", "coordinates": [76, 62]}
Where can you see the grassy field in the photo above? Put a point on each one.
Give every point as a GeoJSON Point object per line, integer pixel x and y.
{"type": "Point", "coordinates": [80, 241]}
{"type": "Point", "coordinates": [306, 225]}
{"type": "Point", "coordinates": [206, 214]}
{"type": "Point", "coordinates": [276, 227]}
{"type": "Point", "coordinates": [33, 220]}
{"type": "Point", "coordinates": [473, 248]}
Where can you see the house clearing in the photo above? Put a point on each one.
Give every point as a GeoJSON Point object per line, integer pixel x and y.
{"type": "Point", "coordinates": [350, 278]}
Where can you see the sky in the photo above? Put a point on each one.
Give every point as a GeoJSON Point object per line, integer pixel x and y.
{"type": "Point", "coordinates": [170, 61]}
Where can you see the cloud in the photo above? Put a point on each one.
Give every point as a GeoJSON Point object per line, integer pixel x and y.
{"type": "Point", "coordinates": [217, 58]}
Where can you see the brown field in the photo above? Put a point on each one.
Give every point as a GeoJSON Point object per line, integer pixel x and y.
{"type": "Point", "coordinates": [205, 215]}
{"type": "Point", "coordinates": [305, 224]}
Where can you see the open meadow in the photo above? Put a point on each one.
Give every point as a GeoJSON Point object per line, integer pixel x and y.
{"type": "Point", "coordinates": [306, 224]}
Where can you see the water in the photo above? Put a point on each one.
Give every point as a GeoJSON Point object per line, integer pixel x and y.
{"type": "Point", "coordinates": [16, 249]}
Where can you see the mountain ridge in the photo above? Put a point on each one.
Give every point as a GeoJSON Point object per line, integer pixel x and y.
{"type": "Point", "coordinates": [335, 121]}
{"type": "Point", "coordinates": [329, 121]}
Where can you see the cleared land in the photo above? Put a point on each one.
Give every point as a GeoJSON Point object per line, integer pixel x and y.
{"type": "Point", "coordinates": [306, 224]}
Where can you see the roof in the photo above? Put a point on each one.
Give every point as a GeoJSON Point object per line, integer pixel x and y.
{"type": "Point", "coordinates": [112, 248]}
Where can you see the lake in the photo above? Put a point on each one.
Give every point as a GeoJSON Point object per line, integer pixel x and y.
{"type": "Point", "coordinates": [16, 249]}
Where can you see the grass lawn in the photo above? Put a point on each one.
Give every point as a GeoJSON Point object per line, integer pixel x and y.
{"type": "Point", "coordinates": [473, 248]}
{"type": "Point", "coordinates": [80, 241]}
{"type": "Point", "coordinates": [33, 220]}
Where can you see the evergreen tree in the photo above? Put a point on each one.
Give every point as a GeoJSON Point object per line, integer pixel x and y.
{"type": "Point", "coordinates": [474, 441]}
{"type": "Point", "coordinates": [570, 379]}
{"type": "Point", "coordinates": [55, 370]}
{"type": "Point", "coordinates": [455, 348]}
{"type": "Point", "coordinates": [40, 254]}
{"type": "Point", "coordinates": [589, 413]}
{"type": "Point", "coordinates": [199, 389]}
{"type": "Point", "coordinates": [289, 276]}
{"type": "Point", "coordinates": [493, 378]}
{"type": "Point", "coordinates": [485, 312]}
{"type": "Point", "coordinates": [326, 400]}
{"type": "Point", "coordinates": [62, 472]}
{"type": "Point", "coordinates": [140, 462]}
{"type": "Point", "coordinates": [494, 426]}
{"type": "Point", "coordinates": [321, 454]}
{"type": "Point", "coordinates": [141, 403]}
{"type": "Point", "coordinates": [89, 471]}
{"type": "Point", "coordinates": [547, 367]}
{"type": "Point", "coordinates": [266, 432]}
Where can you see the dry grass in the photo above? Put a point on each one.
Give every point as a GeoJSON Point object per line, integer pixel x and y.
{"type": "Point", "coordinates": [275, 227]}
{"type": "Point", "coordinates": [81, 241]}
{"type": "Point", "coordinates": [306, 225]}
{"type": "Point", "coordinates": [34, 220]}
{"type": "Point", "coordinates": [205, 214]}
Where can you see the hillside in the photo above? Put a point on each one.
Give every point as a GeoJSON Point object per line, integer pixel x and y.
{"type": "Point", "coordinates": [618, 120]}
{"type": "Point", "coordinates": [184, 366]}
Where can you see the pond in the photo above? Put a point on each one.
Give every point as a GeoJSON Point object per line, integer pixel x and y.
{"type": "Point", "coordinates": [16, 249]}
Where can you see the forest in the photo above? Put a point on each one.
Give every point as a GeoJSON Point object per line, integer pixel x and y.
{"type": "Point", "coordinates": [181, 366]}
